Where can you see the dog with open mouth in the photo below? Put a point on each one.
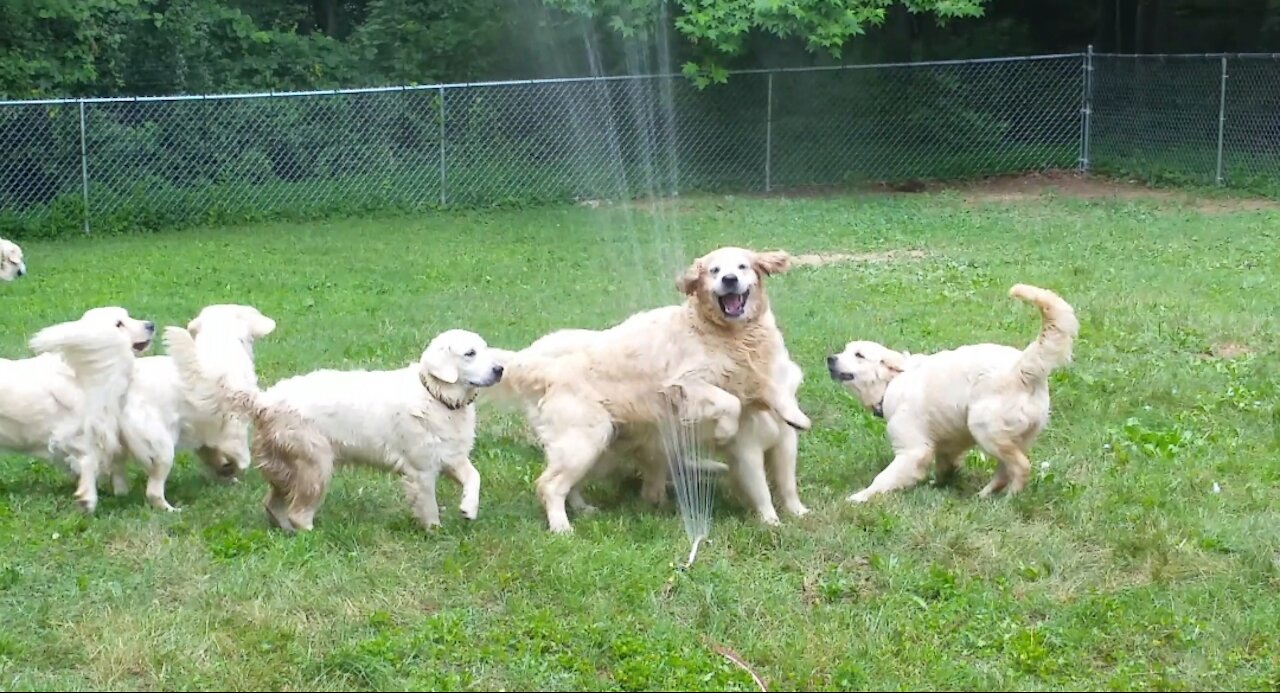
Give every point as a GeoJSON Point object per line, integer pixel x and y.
{"type": "Point", "coordinates": [702, 362]}
{"type": "Point", "coordinates": [65, 404]}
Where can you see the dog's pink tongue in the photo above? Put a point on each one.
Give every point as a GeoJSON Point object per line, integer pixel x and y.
{"type": "Point", "coordinates": [733, 303]}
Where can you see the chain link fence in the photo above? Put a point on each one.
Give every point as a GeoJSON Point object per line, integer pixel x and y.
{"type": "Point", "coordinates": [166, 162]}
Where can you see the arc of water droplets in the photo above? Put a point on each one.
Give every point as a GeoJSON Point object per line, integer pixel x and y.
{"type": "Point", "coordinates": [694, 482]}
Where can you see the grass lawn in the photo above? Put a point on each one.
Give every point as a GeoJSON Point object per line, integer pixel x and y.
{"type": "Point", "coordinates": [1145, 554]}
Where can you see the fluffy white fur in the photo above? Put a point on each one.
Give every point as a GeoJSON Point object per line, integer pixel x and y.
{"type": "Point", "coordinates": [763, 442]}
{"type": "Point", "coordinates": [412, 421]}
{"type": "Point", "coordinates": [12, 264]}
{"type": "Point", "coordinates": [938, 406]}
{"type": "Point", "coordinates": [64, 405]}
{"type": "Point", "coordinates": [173, 401]}
{"type": "Point", "coordinates": [704, 361]}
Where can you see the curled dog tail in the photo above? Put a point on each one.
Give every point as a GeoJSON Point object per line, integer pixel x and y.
{"type": "Point", "coordinates": [1059, 329]}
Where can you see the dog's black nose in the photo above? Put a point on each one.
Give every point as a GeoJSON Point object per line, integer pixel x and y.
{"type": "Point", "coordinates": [729, 280]}
{"type": "Point", "coordinates": [831, 362]}
{"type": "Point", "coordinates": [22, 272]}
{"type": "Point", "coordinates": [497, 371]}
{"type": "Point", "coordinates": [151, 326]}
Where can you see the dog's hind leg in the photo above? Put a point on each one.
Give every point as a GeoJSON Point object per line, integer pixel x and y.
{"type": "Point", "coordinates": [748, 471]}
{"type": "Point", "coordinates": [307, 483]}
{"type": "Point", "coordinates": [277, 510]}
{"type": "Point", "coordinates": [569, 458]}
{"type": "Point", "coordinates": [420, 491]}
{"type": "Point", "coordinates": [907, 469]}
{"type": "Point", "coordinates": [158, 469]}
{"type": "Point", "coordinates": [1012, 473]}
{"type": "Point", "coordinates": [782, 461]}
{"type": "Point", "coordinates": [572, 450]}
{"type": "Point", "coordinates": [578, 503]}
{"type": "Point", "coordinates": [87, 484]}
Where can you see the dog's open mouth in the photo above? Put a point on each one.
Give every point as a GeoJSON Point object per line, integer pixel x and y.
{"type": "Point", "coordinates": [841, 376]}
{"type": "Point", "coordinates": [734, 305]}
{"type": "Point", "coordinates": [139, 347]}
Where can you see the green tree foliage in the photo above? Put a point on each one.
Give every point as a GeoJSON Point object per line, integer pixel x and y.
{"type": "Point", "coordinates": [720, 29]}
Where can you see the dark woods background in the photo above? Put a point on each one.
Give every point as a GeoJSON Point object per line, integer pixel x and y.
{"type": "Point", "coordinates": [142, 47]}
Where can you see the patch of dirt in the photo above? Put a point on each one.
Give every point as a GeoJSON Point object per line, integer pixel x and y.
{"type": "Point", "coordinates": [1032, 186]}
{"type": "Point", "coordinates": [822, 259]}
{"type": "Point", "coordinates": [1228, 350]}
{"type": "Point", "coordinates": [1029, 187]}
{"type": "Point", "coordinates": [1010, 188]}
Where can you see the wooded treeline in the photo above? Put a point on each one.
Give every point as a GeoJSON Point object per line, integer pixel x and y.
{"type": "Point", "coordinates": [141, 47]}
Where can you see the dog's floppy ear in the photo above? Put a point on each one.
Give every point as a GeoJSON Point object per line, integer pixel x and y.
{"type": "Point", "coordinates": [893, 362]}
{"type": "Point", "coordinates": [260, 325]}
{"type": "Point", "coordinates": [688, 282]}
{"type": "Point", "coordinates": [772, 262]}
{"type": "Point", "coordinates": [437, 364]}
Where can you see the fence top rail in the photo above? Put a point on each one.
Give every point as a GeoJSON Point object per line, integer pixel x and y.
{"type": "Point", "coordinates": [517, 82]}
{"type": "Point", "coordinates": [615, 78]}
{"type": "Point", "coordinates": [1163, 56]}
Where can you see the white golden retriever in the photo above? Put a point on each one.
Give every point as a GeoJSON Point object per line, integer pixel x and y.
{"type": "Point", "coordinates": [412, 421]}
{"type": "Point", "coordinates": [708, 359]}
{"type": "Point", "coordinates": [12, 265]}
{"type": "Point", "coordinates": [938, 406]}
{"type": "Point", "coordinates": [65, 404]}
{"type": "Point", "coordinates": [173, 401]}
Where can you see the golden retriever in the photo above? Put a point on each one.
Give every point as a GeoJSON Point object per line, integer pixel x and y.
{"type": "Point", "coordinates": [65, 405]}
{"type": "Point", "coordinates": [12, 265]}
{"type": "Point", "coordinates": [173, 405]}
{"type": "Point", "coordinates": [940, 405]}
{"type": "Point", "coordinates": [412, 421]}
{"type": "Point", "coordinates": [701, 361]}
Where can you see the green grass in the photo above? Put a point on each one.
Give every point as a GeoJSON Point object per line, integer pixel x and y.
{"type": "Point", "coordinates": [1118, 568]}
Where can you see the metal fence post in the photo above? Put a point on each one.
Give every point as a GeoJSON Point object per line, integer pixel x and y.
{"type": "Point", "coordinates": [84, 168]}
{"type": "Point", "coordinates": [1086, 109]}
{"type": "Point", "coordinates": [1222, 115]}
{"type": "Point", "coordinates": [444, 200]}
{"type": "Point", "coordinates": [768, 135]}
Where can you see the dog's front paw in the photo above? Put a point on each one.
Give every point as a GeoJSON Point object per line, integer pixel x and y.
{"type": "Point", "coordinates": [88, 502]}
{"type": "Point", "coordinates": [860, 497]}
{"type": "Point", "coordinates": [799, 421]}
{"type": "Point", "coordinates": [726, 429]}
{"type": "Point", "coordinates": [560, 527]}
{"type": "Point", "coordinates": [797, 508]}
{"type": "Point", "coordinates": [469, 511]}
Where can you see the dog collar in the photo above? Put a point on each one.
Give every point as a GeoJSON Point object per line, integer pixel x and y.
{"type": "Point", "coordinates": [451, 405]}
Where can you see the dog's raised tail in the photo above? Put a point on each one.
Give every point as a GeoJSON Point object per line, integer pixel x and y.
{"type": "Point", "coordinates": [210, 393]}
{"type": "Point", "coordinates": [1058, 332]}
